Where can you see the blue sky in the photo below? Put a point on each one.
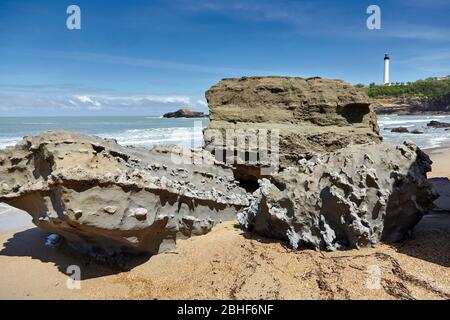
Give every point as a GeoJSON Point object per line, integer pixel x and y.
{"type": "Point", "coordinates": [150, 57]}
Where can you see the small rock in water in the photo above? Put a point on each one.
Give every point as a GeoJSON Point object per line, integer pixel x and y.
{"type": "Point", "coordinates": [437, 124]}
{"type": "Point", "coordinates": [400, 130]}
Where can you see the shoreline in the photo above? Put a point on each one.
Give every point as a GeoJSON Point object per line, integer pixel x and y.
{"type": "Point", "coordinates": [424, 113]}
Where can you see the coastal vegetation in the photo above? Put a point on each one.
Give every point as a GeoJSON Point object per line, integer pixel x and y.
{"type": "Point", "coordinates": [430, 87]}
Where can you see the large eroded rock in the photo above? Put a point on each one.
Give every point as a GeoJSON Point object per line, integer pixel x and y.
{"type": "Point", "coordinates": [350, 198]}
{"type": "Point", "coordinates": [104, 197]}
{"type": "Point", "coordinates": [312, 115]}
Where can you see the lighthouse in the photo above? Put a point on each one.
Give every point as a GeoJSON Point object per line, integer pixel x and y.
{"type": "Point", "coordinates": [386, 69]}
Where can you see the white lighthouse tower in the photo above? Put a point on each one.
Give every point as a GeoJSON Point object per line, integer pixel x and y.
{"type": "Point", "coordinates": [386, 70]}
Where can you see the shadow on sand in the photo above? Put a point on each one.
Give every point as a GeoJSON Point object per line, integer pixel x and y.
{"type": "Point", "coordinates": [31, 243]}
{"type": "Point", "coordinates": [429, 240]}
{"type": "Point", "coordinates": [442, 186]}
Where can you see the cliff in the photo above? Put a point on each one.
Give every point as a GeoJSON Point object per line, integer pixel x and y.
{"type": "Point", "coordinates": [412, 105]}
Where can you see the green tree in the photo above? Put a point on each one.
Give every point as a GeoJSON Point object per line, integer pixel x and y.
{"type": "Point", "coordinates": [428, 87]}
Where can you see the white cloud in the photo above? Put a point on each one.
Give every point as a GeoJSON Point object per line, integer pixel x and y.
{"type": "Point", "coordinates": [16, 98]}
{"type": "Point", "coordinates": [417, 32]}
{"type": "Point", "coordinates": [312, 19]}
{"type": "Point", "coordinates": [148, 98]}
{"type": "Point", "coordinates": [434, 56]}
{"type": "Point", "coordinates": [426, 3]}
{"type": "Point", "coordinates": [150, 63]}
{"type": "Point", "coordinates": [86, 99]}
{"type": "Point", "coordinates": [256, 10]}
{"type": "Point", "coordinates": [434, 62]}
{"type": "Point", "coordinates": [202, 103]}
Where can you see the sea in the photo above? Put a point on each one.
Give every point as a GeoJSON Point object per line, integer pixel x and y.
{"type": "Point", "coordinates": [149, 131]}
{"type": "Point", "coordinates": [431, 137]}
{"type": "Point", "coordinates": [142, 131]}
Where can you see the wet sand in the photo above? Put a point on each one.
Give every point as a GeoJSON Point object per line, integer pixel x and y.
{"type": "Point", "coordinates": [441, 162]}
{"type": "Point", "coordinates": [230, 264]}
{"type": "Point", "coordinates": [440, 176]}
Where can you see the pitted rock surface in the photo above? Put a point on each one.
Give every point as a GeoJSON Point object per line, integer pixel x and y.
{"type": "Point", "coordinates": [104, 197]}
{"type": "Point", "coordinates": [350, 198]}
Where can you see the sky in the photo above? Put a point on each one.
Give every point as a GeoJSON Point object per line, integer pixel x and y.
{"type": "Point", "coordinates": [140, 57]}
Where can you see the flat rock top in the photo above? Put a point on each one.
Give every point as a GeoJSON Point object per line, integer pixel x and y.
{"type": "Point", "coordinates": [318, 101]}
{"type": "Point", "coordinates": [311, 114]}
{"type": "Point", "coordinates": [311, 91]}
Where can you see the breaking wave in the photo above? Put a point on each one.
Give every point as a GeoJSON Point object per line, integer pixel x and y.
{"type": "Point", "coordinates": [189, 137]}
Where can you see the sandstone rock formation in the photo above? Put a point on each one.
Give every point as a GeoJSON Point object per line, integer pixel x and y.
{"type": "Point", "coordinates": [338, 186]}
{"type": "Point", "coordinates": [349, 198]}
{"type": "Point", "coordinates": [184, 113]}
{"type": "Point", "coordinates": [106, 198]}
{"type": "Point", "coordinates": [312, 115]}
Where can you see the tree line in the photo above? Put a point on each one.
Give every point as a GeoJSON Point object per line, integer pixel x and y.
{"type": "Point", "coordinates": [429, 87]}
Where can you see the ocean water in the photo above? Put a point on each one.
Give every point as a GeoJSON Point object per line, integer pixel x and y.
{"type": "Point", "coordinates": [431, 137]}
{"type": "Point", "coordinates": [152, 131]}
{"type": "Point", "coordinates": [138, 131]}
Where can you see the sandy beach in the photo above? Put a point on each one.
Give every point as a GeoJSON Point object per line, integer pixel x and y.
{"type": "Point", "coordinates": [440, 176]}
{"type": "Point", "coordinates": [227, 264]}
{"type": "Point", "coordinates": [230, 264]}
{"type": "Point", "coordinates": [441, 162]}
